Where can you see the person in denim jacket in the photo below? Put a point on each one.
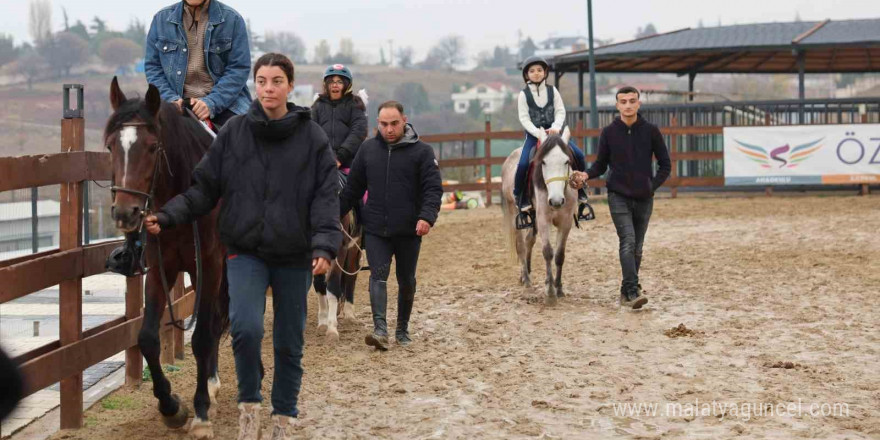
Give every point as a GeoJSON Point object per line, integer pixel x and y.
{"type": "Point", "coordinates": [198, 50]}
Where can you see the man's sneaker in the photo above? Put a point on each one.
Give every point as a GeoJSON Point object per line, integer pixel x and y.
{"type": "Point", "coordinates": [249, 421]}
{"type": "Point", "coordinates": [633, 299]}
{"type": "Point", "coordinates": [282, 427]}
{"type": "Point", "coordinates": [639, 301]}
{"type": "Point", "coordinates": [377, 340]}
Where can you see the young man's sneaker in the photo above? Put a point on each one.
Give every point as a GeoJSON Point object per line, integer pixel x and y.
{"type": "Point", "coordinates": [282, 427]}
{"type": "Point", "coordinates": [632, 299]}
{"type": "Point", "coordinates": [249, 421]}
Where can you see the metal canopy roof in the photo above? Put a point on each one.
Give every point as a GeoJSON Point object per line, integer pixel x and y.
{"type": "Point", "coordinates": [826, 47]}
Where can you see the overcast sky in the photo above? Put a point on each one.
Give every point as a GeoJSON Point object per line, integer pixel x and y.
{"type": "Point", "coordinates": [483, 23]}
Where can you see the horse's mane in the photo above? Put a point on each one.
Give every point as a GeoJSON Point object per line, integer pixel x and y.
{"type": "Point", "coordinates": [184, 140]}
{"type": "Point", "coordinates": [547, 146]}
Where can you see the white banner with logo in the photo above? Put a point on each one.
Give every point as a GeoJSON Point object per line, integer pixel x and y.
{"type": "Point", "coordinates": [802, 155]}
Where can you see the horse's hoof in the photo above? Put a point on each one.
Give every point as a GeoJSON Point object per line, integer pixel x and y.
{"type": "Point", "coordinates": [322, 328]}
{"type": "Point", "coordinates": [177, 421]}
{"type": "Point", "coordinates": [332, 334]}
{"type": "Point", "coordinates": [348, 313]}
{"type": "Point", "coordinates": [201, 429]}
{"type": "Point", "coordinates": [551, 300]}
{"type": "Point", "coordinates": [559, 293]}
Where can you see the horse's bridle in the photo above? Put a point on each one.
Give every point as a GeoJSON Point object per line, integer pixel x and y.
{"type": "Point", "coordinates": [148, 202]}
{"type": "Point", "coordinates": [148, 197]}
{"type": "Point", "coordinates": [565, 178]}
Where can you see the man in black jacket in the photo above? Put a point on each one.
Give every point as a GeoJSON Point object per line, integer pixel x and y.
{"type": "Point", "coordinates": [628, 146]}
{"type": "Point", "coordinates": [403, 180]}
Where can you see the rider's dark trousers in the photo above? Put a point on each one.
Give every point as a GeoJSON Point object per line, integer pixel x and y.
{"type": "Point", "coordinates": [631, 217]}
{"type": "Point", "coordinates": [249, 277]}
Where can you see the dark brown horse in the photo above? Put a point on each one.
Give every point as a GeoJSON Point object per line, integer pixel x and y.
{"type": "Point", "coordinates": [154, 149]}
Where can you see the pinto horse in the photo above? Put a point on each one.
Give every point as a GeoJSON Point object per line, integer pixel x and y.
{"type": "Point", "coordinates": [340, 280]}
{"type": "Point", "coordinates": [555, 202]}
{"type": "Point", "coordinates": [154, 150]}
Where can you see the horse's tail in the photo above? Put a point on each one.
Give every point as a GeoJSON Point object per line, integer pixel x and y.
{"type": "Point", "coordinates": [509, 228]}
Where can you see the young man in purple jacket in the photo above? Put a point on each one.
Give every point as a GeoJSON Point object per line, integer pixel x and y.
{"type": "Point", "coordinates": [628, 146]}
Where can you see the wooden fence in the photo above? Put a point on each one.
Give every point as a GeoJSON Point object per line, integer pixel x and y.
{"type": "Point", "coordinates": [674, 132]}
{"type": "Point", "coordinates": [65, 359]}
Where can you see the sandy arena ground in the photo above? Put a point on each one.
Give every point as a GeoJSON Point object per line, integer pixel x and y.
{"type": "Point", "coordinates": [776, 298]}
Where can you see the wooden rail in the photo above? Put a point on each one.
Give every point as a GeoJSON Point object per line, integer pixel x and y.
{"type": "Point", "coordinates": [487, 160]}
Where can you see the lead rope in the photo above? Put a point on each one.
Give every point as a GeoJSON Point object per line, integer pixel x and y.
{"type": "Point", "coordinates": [360, 264]}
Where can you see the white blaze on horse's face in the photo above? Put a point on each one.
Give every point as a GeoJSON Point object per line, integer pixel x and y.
{"type": "Point", "coordinates": [556, 168]}
{"type": "Point", "coordinates": [127, 138]}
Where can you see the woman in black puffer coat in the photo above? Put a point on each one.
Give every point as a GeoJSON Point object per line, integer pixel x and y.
{"type": "Point", "coordinates": [341, 113]}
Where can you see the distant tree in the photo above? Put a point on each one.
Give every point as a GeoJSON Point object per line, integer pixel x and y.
{"type": "Point", "coordinates": [66, 20]}
{"type": "Point", "coordinates": [120, 52]}
{"type": "Point", "coordinates": [63, 51]}
{"type": "Point", "coordinates": [99, 26]}
{"type": "Point", "coordinates": [79, 28]}
{"type": "Point", "coordinates": [40, 20]}
{"type": "Point", "coordinates": [413, 96]}
{"type": "Point", "coordinates": [647, 31]}
{"type": "Point", "coordinates": [500, 57]}
{"type": "Point", "coordinates": [700, 24]}
{"type": "Point", "coordinates": [346, 54]}
{"type": "Point", "coordinates": [137, 32]}
{"type": "Point", "coordinates": [254, 42]}
{"type": "Point", "coordinates": [8, 52]}
{"type": "Point", "coordinates": [527, 48]}
{"type": "Point", "coordinates": [30, 65]}
{"type": "Point", "coordinates": [448, 53]}
{"type": "Point", "coordinates": [382, 60]}
{"type": "Point", "coordinates": [405, 57]}
{"type": "Point", "coordinates": [97, 40]}
{"type": "Point", "coordinates": [287, 43]}
{"type": "Point", "coordinates": [797, 17]}
{"type": "Point", "coordinates": [322, 52]}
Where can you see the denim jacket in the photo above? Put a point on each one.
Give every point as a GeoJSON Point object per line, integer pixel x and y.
{"type": "Point", "coordinates": [227, 56]}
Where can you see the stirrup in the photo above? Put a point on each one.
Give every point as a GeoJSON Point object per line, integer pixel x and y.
{"type": "Point", "coordinates": [525, 220]}
{"type": "Point", "coordinates": [590, 215]}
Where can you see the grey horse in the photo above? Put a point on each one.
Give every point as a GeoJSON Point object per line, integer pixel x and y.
{"type": "Point", "coordinates": [555, 202]}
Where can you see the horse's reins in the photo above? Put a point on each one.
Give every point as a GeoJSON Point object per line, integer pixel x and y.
{"type": "Point", "coordinates": [336, 260]}
{"type": "Point", "coordinates": [148, 201]}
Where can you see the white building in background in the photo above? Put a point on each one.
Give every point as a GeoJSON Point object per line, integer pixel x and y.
{"type": "Point", "coordinates": [16, 227]}
{"type": "Point", "coordinates": [559, 45]}
{"type": "Point", "coordinates": [490, 96]}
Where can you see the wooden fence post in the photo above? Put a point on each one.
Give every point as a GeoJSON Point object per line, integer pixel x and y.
{"type": "Point", "coordinates": [134, 303]}
{"type": "Point", "coordinates": [673, 149]}
{"type": "Point", "coordinates": [70, 291]}
{"type": "Point", "coordinates": [166, 343]}
{"type": "Point", "coordinates": [488, 155]}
